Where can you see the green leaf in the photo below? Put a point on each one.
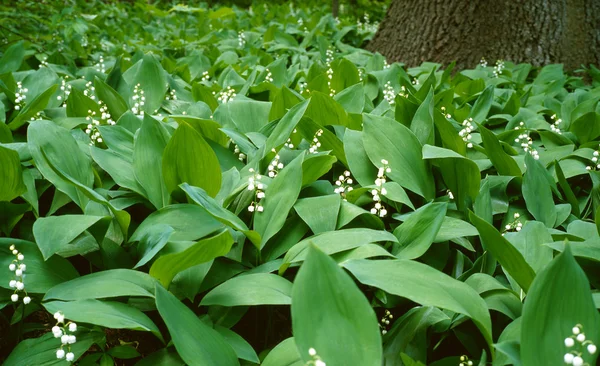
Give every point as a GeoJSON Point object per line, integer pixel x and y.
{"type": "Point", "coordinates": [482, 105]}
{"type": "Point", "coordinates": [280, 196]}
{"type": "Point", "coordinates": [387, 139]}
{"type": "Point", "coordinates": [113, 100]}
{"type": "Point", "coordinates": [167, 266]}
{"type": "Point", "coordinates": [422, 122]}
{"type": "Point", "coordinates": [11, 183]}
{"type": "Point", "coordinates": [109, 314]}
{"type": "Point", "coordinates": [505, 165]}
{"type": "Point", "coordinates": [243, 349]}
{"type": "Point", "coordinates": [149, 145]}
{"type": "Point", "coordinates": [418, 232]}
{"type": "Point", "coordinates": [189, 159]}
{"type": "Point", "coordinates": [538, 193]}
{"type": "Point", "coordinates": [57, 144]}
{"type": "Point", "coordinates": [12, 58]}
{"type": "Point", "coordinates": [197, 343]}
{"type": "Point", "coordinates": [54, 232]}
{"type": "Point", "coordinates": [104, 284]}
{"type": "Point", "coordinates": [559, 299]}
{"type": "Point", "coordinates": [285, 127]}
{"type": "Point", "coordinates": [343, 329]}
{"type": "Point", "coordinates": [510, 258]}
{"type": "Point", "coordinates": [151, 77]}
{"type": "Point", "coordinates": [285, 353]}
{"type": "Point", "coordinates": [31, 108]}
{"type": "Point", "coordinates": [424, 285]}
{"type": "Point", "coordinates": [251, 289]}
{"type": "Point", "coordinates": [320, 213]}
{"type": "Point", "coordinates": [530, 242]}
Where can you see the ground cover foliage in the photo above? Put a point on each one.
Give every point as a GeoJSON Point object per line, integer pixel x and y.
{"type": "Point", "coordinates": [223, 186]}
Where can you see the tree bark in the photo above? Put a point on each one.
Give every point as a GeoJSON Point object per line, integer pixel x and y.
{"type": "Point", "coordinates": [335, 8]}
{"type": "Point", "coordinates": [532, 31]}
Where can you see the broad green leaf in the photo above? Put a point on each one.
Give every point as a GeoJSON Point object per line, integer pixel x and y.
{"type": "Point", "coordinates": [31, 108]}
{"type": "Point", "coordinates": [11, 182]}
{"type": "Point", "coordinates": [280, 196]}
{"type": "Point", "coordinates": [284, 127]}
{"type": "Point", "coordinates": [151, 77]}
{"type": "Point", "coordinates": [167, 266]}
{"type": "Point", "coordinates": [530, 242]}
{"type": "Point", "coordinates": [510, 258]}
{"type": "Point", "coordinates": [54, 232]}
{"type": "Point", "coordinates": [538, 193]}
{"type": "Point", "coordinates": [358, 161]}
{"type": "Point", "coordinates": [424, 285]}
{"type": "Point", "coordinates": [189, 159]}
{"type": "Point", "coordinates": [150, 142]}
{"type": "Point", "coordinates": [249, 290]}
{"type": "Point", "coordinates": [61, 151]}
{"type": "Point", "coordinates": [343, 328]}
{"type": "Point", "coordinates": [109, 314]}
{"type": "Point", "coordinates": [104, 284]}
{"type": "Point", "coordinates": [114, 102]}
{"type": "Point", "coordinates": [320, 213]}
{"type": "Point", "coordinates": [387, 139]}
{"type": "Point", "coordinates": [559, 299]}
{"type": "Point", "coordinates": [12, 58]}
{"type": "Point", "coordinates": [285, 353]}
{"type": "Point", "coordinates": [418, 232]}
{"type": "Point", "coordinates": [504, 164]}
{"type": "Point", "coordinates": [197, 343]}
{"type": "Point", "coordinates": [422, 122]}
{"type": "Point", "coordinates": [482, 105]}
{"type": "Point", "coordinates": [243, 349]}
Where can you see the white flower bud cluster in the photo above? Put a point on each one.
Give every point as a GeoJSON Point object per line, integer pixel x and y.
{"type": "Point", "coordinates": [386, 65]}
{"type": "Point", "coordinates": [361, 74]}
{"type": "Point", "coordinates": [18, 267]}
{"type": "Point", "coordinates": [465, 133]}
{"type": "Point", "coordinates": [241, 39]}
{"type": "Point", "coordinates": [269, 77]}
{"type": "Point", "coordinates": [44, 63]}
{"type": "Point", "coordinates": [64, 331]}
{"type": "Point", "coordinates": [241, 155]}
{"type": "Point", "coordinates": [415, 81]}
{"type": "Point", "coordinates": [388, 93]}
{"type": "Point", "coordinates": [226, 95]}
{"type": "Point", "coordinates": [330, 76]}
{"type": "Point", "coordinates": [138, 100]}
{"type": "Point", "coordinates": [92, 128]}
{"type": "Point", "coordinates": [464, 361]}
{"type": "Point", "coordinates": [450, 195]}
{"type": "Point", "coordinates": [447, 115]}
{"type": "Point", "coordinates": [303, 87]}
{"type": "Point", "coordinates": [205, 76]}
{"type": "Point", "coordinates": [595, 161]}
{"type": "Point", "coordinates": [316, 360]}
{"type": "Point", "coordinates": [555, 126]}
{"type": "Point", "coordinates": [366, 26]}
{"type": "Point", "coordinates": [384, 322]}
{"type": "Point", "coordinates": [101, 66]}
{"type": "Point", "coordinates": [66, 89]}
{"type": "Point", "coordinates": [315, 144]}
{"type": "Point", "coordinates": [20, 96]}
{"type": "Point", "coordinates": [516, 224]}
{"type": "Point", "coordinates": [579, 345]}
{"type": "Point", "coordinates": [105, 116]}
{"type": "Point", "coordinates": [378, 209]}
{"type": "Point", "coordinates": [483, 62]}
{"type": "Point", "coordinates": [90, 90]}
{"type": "Point", "coordinates": [38, 115]}
{"type": "Point", "coordinates": [329, 55]}
{"type": "Point", "coordinates": [498, 68]}
{"type": "Point", "coordinates": [275, 166]}
{"type": "Point", "coordinates": [172, 95]}
{"type": "Point", "coordinates": [255, 185]}
{"type": "Point", "coordinates": [289, 143]}
{"type": "Point", "coordinates": [343, 184]}
{"type": "Point", "coordinates": [527, 144]}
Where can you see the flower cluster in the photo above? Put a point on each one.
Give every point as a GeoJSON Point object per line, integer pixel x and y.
{"type": "Point", "coordinates": [447, 115]}
{"type": "Point", "coordinates": [269, 77]}
{"type": "Point", "coordinates": [172, 95]}
{"type": "Point", "coordinates": [316, 360]}
{"type": "Point", "coordinates": [255, 185]}
{"type": "Point", "coordinates": [20, 96]}
{"type": "Point", "coordinates": [385, 321]}
{"type": "Point", "coordinates": [303, 86]}
{"type": "Point", "coordinates": [241, 39]}
{"type": "Point", "coordinates": [483, 62]}
{"type": "Point", "coordinates": [378, 209]}
{"type": "Point", "coordinates": [330, 76]}
{"type": "Point", "coordinates": [275, 166]}
{"type": "Point", "coordinates": [315, 144]}
{"type": "Point", "coordinates": [595, 161]}
{"type": "Point", "coordinates": [44, 63]}
{"type": "Point", "coordinates": [464, 361]}
{"type": "Point", "coordinates": [555, 126]}
{"type": "Point", "coordinates": [100, 66]}
{"type": "Point", "coordinates": [498, 68]}
{"type": "Point", "coordinates": [516, 224]}
{"type": "Point", "coordinates": [450, 195]}
{"type": "Point", "coordinates": [18, 267]}
{"type": "Point", "coordinates": [138, 100]}
{"type": "Point", "coordinates": [388, 93]}
{"type": "Point", "coordinates": [289, 143]}
{"type": "Point", "coordinates": [205, 76]}
{"type": "Point", "coordinates": [241, 155]}
{"type": "Point", "coordinates": [465, 133]}
{"type": "Point", "coordinates": [66, 89]}
{"type": "Point", "coordinates": [344, 184]}
{"type": "Point", "coordinates": [367, 26]}
{"type": "Point", "coordinates": [329, 56]}
{"type": "Point", "coordinates": [527, 144]}
{"type": "Point", "coordinates": [578, 341]}
{"type": "Point", "coordinates": [64, 331]}
{"type": "Point", "coordinates": [386, 65]}
{"type": "Point", "coordinates": [90, 90]}
{"type": "Point", "coordinates": [226, 95]}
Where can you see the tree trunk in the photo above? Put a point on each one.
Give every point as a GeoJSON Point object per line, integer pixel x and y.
{"type": "Point", "coordinates": [532, 31]}
{"type": "Point", "coordinates": [335, 8]}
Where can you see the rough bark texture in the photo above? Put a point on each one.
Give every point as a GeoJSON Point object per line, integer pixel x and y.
{"type": "Point", "coordinates": [335, 8]}
{"type": "Point", "coordinates": [532, 31]}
